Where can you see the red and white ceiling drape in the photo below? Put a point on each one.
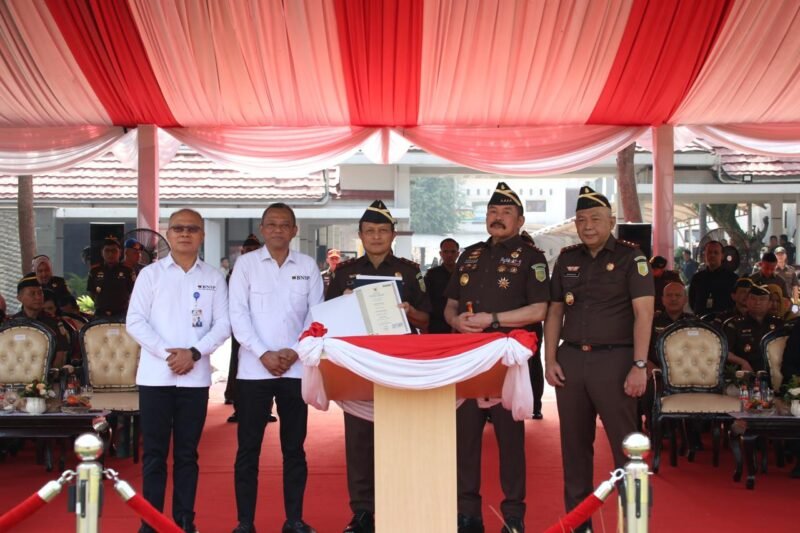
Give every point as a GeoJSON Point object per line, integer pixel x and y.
{"type": "Point", "coordinates": [516, 87]}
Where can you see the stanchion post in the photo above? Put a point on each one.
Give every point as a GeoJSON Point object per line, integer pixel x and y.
{"type": "Point", "coordinates": [88, 483]}
{"type": "Point", "coordinates": [637, 484]}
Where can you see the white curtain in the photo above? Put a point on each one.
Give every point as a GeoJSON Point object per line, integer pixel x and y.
{"type": "Point", "coordinates": [45, 150]}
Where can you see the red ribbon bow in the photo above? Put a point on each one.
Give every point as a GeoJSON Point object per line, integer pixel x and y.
{"type": "Point", "coordinates": [315, 330]}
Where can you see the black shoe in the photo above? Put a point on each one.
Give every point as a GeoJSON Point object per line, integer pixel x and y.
{"type": "Point", "coordinates": [470, 524]}
{"type": "Point", "coordinates": [245, 528]}
{"type": "Point", "coordinates": [537, 415]}
{"type": "Point", "coordinates": [233, 418]}
{"type": "Point", "coordinates": [271, 418]}
{"type": "Point", "coordinates": [187, 525]}
{"type": "Point", "coordinates": [362, 522]}
{"type": "Point", "coordinates": [513, 525]}
{"type": "Point", "coordinates": [297, 526]}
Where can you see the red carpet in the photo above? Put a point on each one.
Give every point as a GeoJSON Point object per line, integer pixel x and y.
{"type": "Point", "coordinates": [692, 497]}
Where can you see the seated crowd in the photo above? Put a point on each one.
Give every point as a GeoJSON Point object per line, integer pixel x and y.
{"type": "Point", "coordinates": [174, 382]}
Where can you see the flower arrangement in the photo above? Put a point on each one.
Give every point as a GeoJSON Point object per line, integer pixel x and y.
{"type": "Point", "coordinates": [37, 389]}
{"type": "Point", "coordinates": [792, 389]}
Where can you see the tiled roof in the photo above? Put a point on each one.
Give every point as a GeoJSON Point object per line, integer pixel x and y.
{"type": "Point", "coordinates": [736, 164]}
{"type": "Point", "coordinates": [189, 176]}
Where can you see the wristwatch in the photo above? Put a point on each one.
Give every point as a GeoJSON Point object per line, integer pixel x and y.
{"type": "Point", "coordinates": [495, 321]}
{"type": "Point", "coordinates": [195, 353]}
{"type": "Point", "coordinates": [640, 364]}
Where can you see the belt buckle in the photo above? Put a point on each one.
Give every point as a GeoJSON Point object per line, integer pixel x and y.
{"type": "Point", "coordinates": [586, 347]}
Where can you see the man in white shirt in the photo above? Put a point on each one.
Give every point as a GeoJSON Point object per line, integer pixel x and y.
{"type": "Point", "coordinates": [178, 313]}
{"type": "Point", "coordinates": [272, 290]}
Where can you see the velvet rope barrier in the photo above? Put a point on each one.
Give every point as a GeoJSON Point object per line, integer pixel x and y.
{"type": "Point", "coordinates": [588, 506]}
{"type": "Point", "coordinates": [142, 507]}
{"type": "Point", "coordinates": [30, 505]}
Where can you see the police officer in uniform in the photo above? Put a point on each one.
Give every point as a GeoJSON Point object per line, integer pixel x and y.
{"type": "Point", "coordinates": [711, 288]}
{"type": "Point", "coordinates": [744, 333]}
{"type": "Point", "coordinates": [436, 281]}
{"type": "Point", "coordinates": [661, 277]}
{"type": "Point", "coordinates": [740, 294]}
{"type": "Point", "coordinates": [110, 284]}
{"type": "Point", "coordinates": [499, 285]}
{"type": "Point", "coordinates": [376, 229]}
{"type": "Point", "coordinates": [602, 308]}
{"type": "Point", "coordinates": [333, 258]}
{"type": "Point", "coordinates": [31, 297]}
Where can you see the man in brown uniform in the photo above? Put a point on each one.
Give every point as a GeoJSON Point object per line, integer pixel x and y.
{"type": "Point", "coordinates": [602, 307]}
{"type": "Point", "coordinates": [499, 285]}
{"type": "Point", "coordinates": [110, 284]}
{"type": "Point", "coordinates": [376, 229]}
{"type": "Point", "coordinates": [745, 332]}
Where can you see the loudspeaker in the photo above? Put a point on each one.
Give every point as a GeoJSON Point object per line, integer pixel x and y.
{"type": "Point", "coordinates": [98, 231]}
{"type": "Point", "coordinates": [641, 234]}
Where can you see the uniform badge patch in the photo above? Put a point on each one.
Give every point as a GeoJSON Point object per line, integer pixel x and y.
{"type": "Point", "coordinates": [503, 283]}
{"type": "Point", "coordinates": [641, 267]}
{"type": "Point", "coordinates": [540, 271]}
{"type": "Point", "coordinates": [463, 280]}
{"type": "Point", "coordinates": [421, 281]}
{"type": "Point", "coordinates": [569, 298]}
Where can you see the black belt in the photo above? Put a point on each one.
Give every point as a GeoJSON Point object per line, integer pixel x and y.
{"type": "Point", "coordinates": [596, 347]}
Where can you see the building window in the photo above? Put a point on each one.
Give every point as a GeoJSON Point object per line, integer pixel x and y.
{"type": "Point", "coordinates": [536, 206]}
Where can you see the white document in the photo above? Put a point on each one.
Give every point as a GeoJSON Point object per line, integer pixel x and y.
{"type": "Point", "coordinates": [369, 310]}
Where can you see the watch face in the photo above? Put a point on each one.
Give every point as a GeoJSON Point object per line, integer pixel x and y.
{"type": "Point", "coordinates": [639, 364]}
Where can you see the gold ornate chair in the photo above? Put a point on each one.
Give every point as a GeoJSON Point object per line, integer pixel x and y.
{"type": "Point", "coordinates": [772, 346]}
{"type": "Point", "coordinates": [692, 355]}
{"type": "Point", "coordinates": [110, 361]}
{"type": "Point", "coordinates": [26, 349]}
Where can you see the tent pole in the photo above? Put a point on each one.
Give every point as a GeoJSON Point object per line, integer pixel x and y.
{"type": "Point", "coordinates": [663, 192]}
{"type": "Point", "coordinates": [148, 208]}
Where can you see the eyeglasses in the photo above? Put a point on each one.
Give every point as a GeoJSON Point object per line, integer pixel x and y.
{"type": "Point", "coordinates": [192, 229]}
{"type": "Point", "coordinates": [271, 226]}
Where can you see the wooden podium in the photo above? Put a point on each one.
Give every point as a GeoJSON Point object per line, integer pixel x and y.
{"type": "Point", "coordinates": [415, 446]}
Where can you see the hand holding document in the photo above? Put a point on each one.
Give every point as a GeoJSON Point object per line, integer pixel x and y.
{"type": "Point", "coordinates": [371, 309]}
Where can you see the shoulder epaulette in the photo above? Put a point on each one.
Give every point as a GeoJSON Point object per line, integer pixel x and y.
{"type": "Point", "coordinates": [475, 245]}
{"type": "Point", "coordinates": [532, 245]}
{"type": "Point", "coordinates": [409, 262]}
{"type": "Point", "coordinates": [571, 247]}
{"type": "Point", "coordinates": [629, 244]}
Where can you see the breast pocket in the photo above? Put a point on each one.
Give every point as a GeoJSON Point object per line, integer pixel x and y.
{"type": "Point", "coordinates": [260, 299]}
{"type": "Point", "coordinates": [298, 295]}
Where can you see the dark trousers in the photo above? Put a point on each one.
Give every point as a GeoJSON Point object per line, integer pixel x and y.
{"type": "Point", "coordinates": [359, 445]}
{"type": "Point", "coordinates": [510, 434]}
{"type": "Point", "coordinates": [537, 379]}
{"type": "Point", "coordinates": [254, 400]}
{"type": "Point", "coordinates": [233, 369]}
{"type": "Point", "coordinates": [179, 412]}
{"type": "Point", "coordinates": [594, 386]}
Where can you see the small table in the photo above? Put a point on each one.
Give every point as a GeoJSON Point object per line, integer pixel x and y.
{"type": "Point", "coordinates": [48, 426]}
{"type": "Point", "coordinates": [748, 427]}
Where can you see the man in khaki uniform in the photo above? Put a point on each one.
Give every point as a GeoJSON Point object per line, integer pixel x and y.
{"type": "Point", "coordinates": [602, 308]}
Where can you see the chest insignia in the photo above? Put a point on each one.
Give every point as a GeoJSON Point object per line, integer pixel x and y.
{"type": "Point", "coordinates": [120, 275]}
{"type": "Point", "coordinates": [569, 298]}
{"type": "Point", "coordinates": [513, 270]}
{"type": "Point", "coordinates": [573, 268]}
{"type": "Point", "coordinates": [610, 267]}
{"type": "Point", "coordinates": [503, 283]}
{"type": "Point", "coordinates": [501, 268]}
{"type": "Point", "coordinates": [514, 255]}
{"type": "Point", "coordinates": [772, 326]}
{"type": "Point", "coordinates": [539, 271]}
{"type": "Point", "coordinates": [747, 348]}
{"type": "Point", "coordinates": [464, 280]}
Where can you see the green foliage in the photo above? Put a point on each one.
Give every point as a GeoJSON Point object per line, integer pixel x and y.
{"type": "Point", "coordinates": [75, 283]}
{"type": "Point", "coordinates": [435, 205]}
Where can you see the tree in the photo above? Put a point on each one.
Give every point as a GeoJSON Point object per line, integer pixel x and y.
{"type": "Point", "coordinates": [747, 242]}
{"type": "Point", "coordinates": [626, 182]}
{"type": "Point", "coordinates": [435, 205]}
{"type": "Point", "coordinates": [27, 221]}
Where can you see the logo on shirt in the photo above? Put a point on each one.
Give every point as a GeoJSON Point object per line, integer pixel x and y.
{"type": "Point", "coordinates": [298, 277]}
{"type": "Point", "coordinates": [206, 287]}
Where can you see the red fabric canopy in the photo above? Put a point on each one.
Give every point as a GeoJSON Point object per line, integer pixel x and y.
{"type": "Point", "coordinates": [402, 63]}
